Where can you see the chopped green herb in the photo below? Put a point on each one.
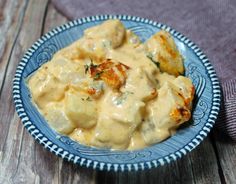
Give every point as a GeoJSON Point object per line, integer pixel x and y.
{"type": "Point", "coordinates": [157, 64]}
{"type": "Point", "coordinates": [86, 67]}
{"type": "Point", "coordinates": [88, 99]}
{"type": "Point", "coordinates": [98, 75]}
{"type": "Point", "coordinates": [150, 55]}
{"type": "Point", "coordinates": [129, 92]}
{"type": "Point", "coordinates": [92, 65]}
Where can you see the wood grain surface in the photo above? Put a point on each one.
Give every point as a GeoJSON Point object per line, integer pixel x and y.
{"type": "Point", "coordinates": [22, 160]}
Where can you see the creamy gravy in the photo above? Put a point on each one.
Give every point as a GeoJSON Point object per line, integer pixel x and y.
{"type": "Point", "coordinates": [109, 90]}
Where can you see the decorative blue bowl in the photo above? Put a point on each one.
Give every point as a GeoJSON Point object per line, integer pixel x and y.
{"type": "Point", "coordinates": [198, 68]}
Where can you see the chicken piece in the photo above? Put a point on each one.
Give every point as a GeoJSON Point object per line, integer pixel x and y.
{"type": "Point", "coordinates": [112, 31]}
{"type": "Point", "coordinates": [162, 78]}
{"type": "Point", "coordinates": [112, 134]}
{"type": "Point", "coordinates": [162, 49]}
{"type": "Point", "coordinates": [99, 39]}
{"type": "Point", "coordinates": [134, 58]}
{"type": "Point", "coordinates": [169, 110]}
{"type": "Point", "coordinates": [57, 119]}
{"type": "Point", "coordinates": [80, 109]}
{"type": "Point", "coordinates": [65, 70]}
{"type": "Point", "coordinates": [111, 72]}
{"type": "Point", "coordinates": [45, 87]}
{"type": "Point", "coordinates": [186, 88]}
{"type": "Point", "coordinates": [92, 49]}
{"type": "Point", "coordinates": [139, 77]}
{"type": "Point", "coordinates": [119, 116]}
{"type": "Point", "coordinates": [93, 88]}
{"type": "Point", "coordinates": [83, 136]}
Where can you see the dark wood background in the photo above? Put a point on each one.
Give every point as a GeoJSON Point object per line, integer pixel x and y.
{"type": "Point", "coordinates": [22, 160]}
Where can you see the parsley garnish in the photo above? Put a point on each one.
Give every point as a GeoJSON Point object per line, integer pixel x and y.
{"type": "Point", "coordinates": [157, 64]}
{"type": "Point", "coordinates": [98, 75]}
{"type": "Point", "coordinates": [92, 65]}
{"type": "Point", "coordinates": [88, 99]}
{"type": "Point", "coordinates": [87, 67]}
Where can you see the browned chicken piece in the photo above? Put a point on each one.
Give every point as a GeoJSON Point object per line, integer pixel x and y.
{"type": "Point", "coordinates": [111, 72]}
{"type": "Point", "coordinates": [180, 114]}
{"type": "Point", "coordinates": [177, 98]}
{"type": "Point", "coordinates": [162, 49]}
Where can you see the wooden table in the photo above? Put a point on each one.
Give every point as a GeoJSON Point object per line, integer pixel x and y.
{"type": "Point", "coordinates": [25, 161]}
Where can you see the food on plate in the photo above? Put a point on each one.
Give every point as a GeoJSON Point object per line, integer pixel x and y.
{"type": "Point", "coordinates": [109, 90]}
{"type": "Point", "coordinates": [162, 49]}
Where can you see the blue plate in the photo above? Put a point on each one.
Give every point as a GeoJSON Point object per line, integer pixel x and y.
{"type": "Point", "coordinates": [198, 68]}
